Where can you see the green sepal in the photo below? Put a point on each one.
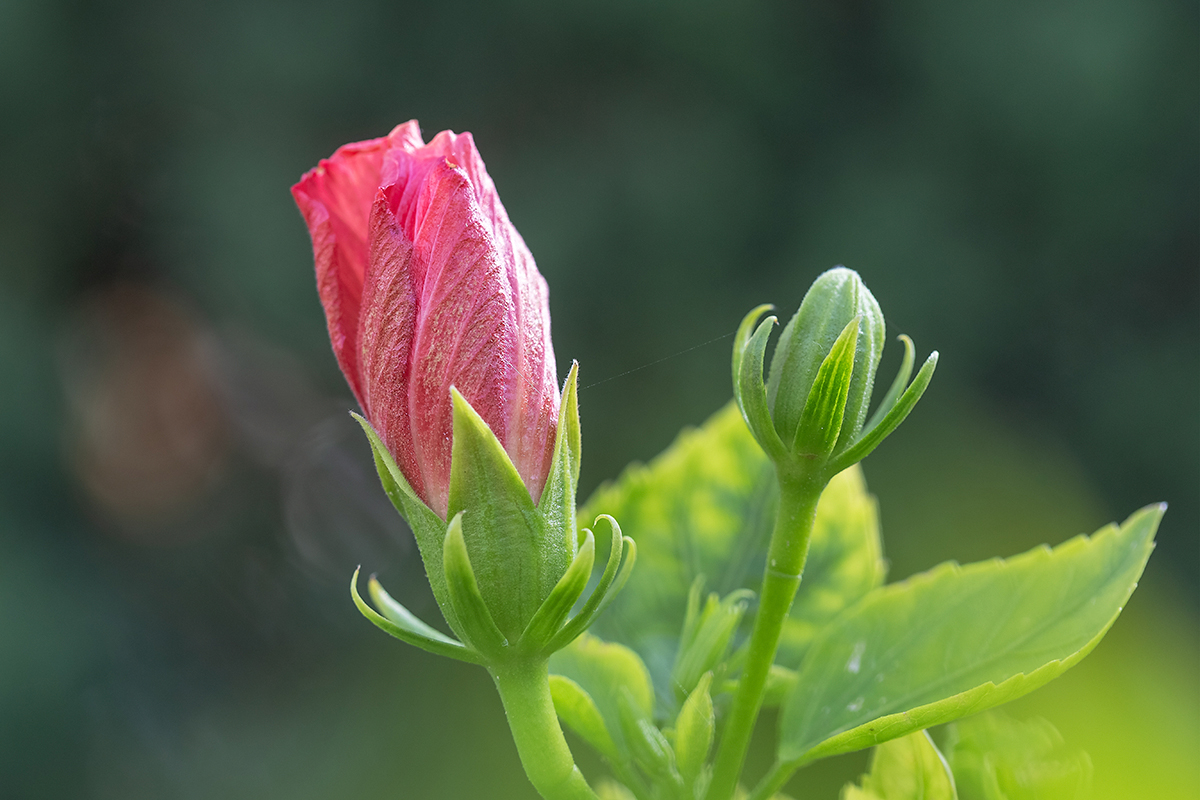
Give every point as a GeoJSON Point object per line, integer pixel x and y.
{"type": "Point", "coordinates": [899, 384]}
{"type": "Point", "coordinates": [578, 710]}
{"type": "Point", "coordinates": [748, 387]}
{"type": "Point", "coordinates": [871, 439]}
{"type": "Point", "coordinates": [517, 559]}
{"type": "Point", "coordinates": [428, 528]}
{"type": "Point", "coordinates": [478, 626]}
{"type": "Point", "coordinates": [610, 585]}
{"type": "Point", "coordinates": [557, 504]}
{"type": "Point", "coordinates": [549, 618]}
{"type": "Point", "coordinates": [694, 733]}
{"type": "Point", "coordinates": [401, 624]}
{"type": "Point", "coordinates": [742, 337]}
{"type": "Point", "coordinates": [835, 297]}
{"type": "Point", "coordinates": [821, 420]}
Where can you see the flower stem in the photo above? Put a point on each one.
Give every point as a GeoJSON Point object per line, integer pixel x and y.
{"type": "Point", "coordinates": [524, 688]}
{"type": "Point", "coordinates": [785, 563]}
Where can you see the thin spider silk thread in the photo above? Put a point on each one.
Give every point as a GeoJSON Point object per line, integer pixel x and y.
{"type": "Point", "coordinates": [645, 366]}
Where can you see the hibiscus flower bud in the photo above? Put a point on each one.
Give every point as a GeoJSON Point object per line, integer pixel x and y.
{"type": "Point", "coordinates": [811, 415]}
{"type": "Point", "coordinates": [426, 284]}
{"type": "Point", "coordinates": [440, 322]}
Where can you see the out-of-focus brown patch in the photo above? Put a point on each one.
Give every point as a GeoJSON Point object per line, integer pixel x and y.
{"type": "Point", "coordinates": [147, 435]}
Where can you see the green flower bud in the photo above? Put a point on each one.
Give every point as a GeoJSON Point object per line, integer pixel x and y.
{"type": "Point", "coordinates": [811, 415]}
{"type": "Point", "coordinates": [836, 299]}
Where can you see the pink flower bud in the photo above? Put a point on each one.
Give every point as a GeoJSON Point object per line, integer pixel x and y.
{"type": "Point", "coordinates": [427, 285]}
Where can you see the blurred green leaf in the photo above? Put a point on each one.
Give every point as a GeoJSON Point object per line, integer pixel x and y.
{"type": "Point", "coordinates": [611, 790]}
{"type": "Point", "coordinates": [604, 671]}
{"type": "Point", "coordinates": [956, 640]}
{"type": "Point", "coordinates": [908, 768]}
{"type": "Point", "coordinates": [706, 506]}
{"type": "Point", "coordinates": [694, 732]}
{"type": "Point", "coordinates": [706, 636]}
{"type": "Point", "coordinates": [578, 710]}
{"type": "Point", "coordinates": [996, 757]}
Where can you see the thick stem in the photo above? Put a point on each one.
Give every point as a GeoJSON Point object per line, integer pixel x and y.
{"type": "Point", "coordinates": [525, 691]}
{"type": "Point", "coordinates": [785, 564]}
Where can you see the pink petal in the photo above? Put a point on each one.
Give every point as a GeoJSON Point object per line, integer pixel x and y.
{"type": "Point", "coordinates": [335, 199]}
{"type": "Point", "coordinates": [481, 323]}
{"type": "Point", "coordinates": [385, 337]}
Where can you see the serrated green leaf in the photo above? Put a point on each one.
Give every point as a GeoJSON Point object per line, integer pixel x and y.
{"type": "Point", "coordinates": [694, 732]}
{"type": "Point", "coordinates": [516, 557]}
{"type": "Point", "coordinates": [996, 757]}
{"type": "Point", "coordinates": [578, 710]}
{"type": "Point", "coordinates": [908, 768]}
{"type": "Point", "coordinates": [957, 640]}
{"type": "Point", "coordinates": [706, 506]}
{"type": "Point", "coordinates": [428, 528]}
{"type": "Point", "coordinates": [604, 671]}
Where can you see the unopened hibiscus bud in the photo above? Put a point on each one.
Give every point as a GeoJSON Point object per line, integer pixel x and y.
{"type": "Point", "coordinates": [427, 285]}
{"type": "Point", "coordinates": [439, 320]}
{"type": "Point", "coordinates": [811, 415]}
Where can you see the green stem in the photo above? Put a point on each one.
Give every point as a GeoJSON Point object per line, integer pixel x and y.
{"type": "Point", "coordinates": [785, 564]}
{"type": "Point", "coordinates": [524, 688]}
{"type": "Point", "coordinates": [773, 781]}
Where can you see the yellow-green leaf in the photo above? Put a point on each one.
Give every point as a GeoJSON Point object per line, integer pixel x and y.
{"type": "Point", "coordinates": [956, 640]}
{"type": "Point", "coordinates": [908, 768]}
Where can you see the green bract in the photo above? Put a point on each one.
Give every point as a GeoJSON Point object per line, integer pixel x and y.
{"type": "Point", "coordinates": [505, 571]}
{"type": "Point", "coordinates": [810, 417]}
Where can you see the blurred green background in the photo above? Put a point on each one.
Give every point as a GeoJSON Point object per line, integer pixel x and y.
{"type": "Point", "coordinates": [183, 497]}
